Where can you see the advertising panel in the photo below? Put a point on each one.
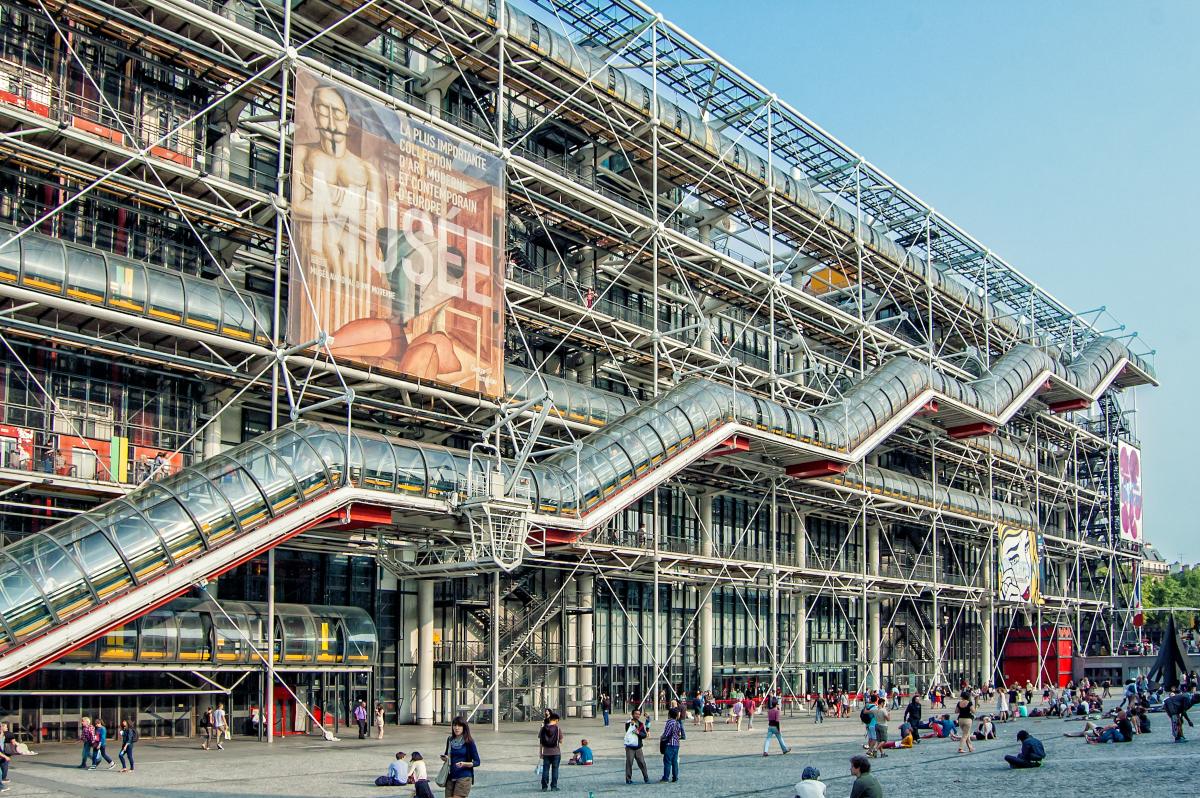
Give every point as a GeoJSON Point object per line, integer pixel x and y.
{"type": "Point", "coordinates": [1019, 565]}
{"type": "Point", "coordinates": [397, 233]}
{"type": "Point", "coordinates": [1131, 491]}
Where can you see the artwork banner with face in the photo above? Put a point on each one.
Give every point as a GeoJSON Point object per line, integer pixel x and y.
{"type": "Point", "coordinates": [1019, 566]}
{"type": "Point", "coordinates": [1131, 491]}
{"type": "Point", "coordinates": [397, 230]}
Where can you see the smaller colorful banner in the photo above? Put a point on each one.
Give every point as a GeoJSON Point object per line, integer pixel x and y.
{"type": "Point", "coordinates": [1019, 579]}
{"type": "Point", "coordinates": [1131, 491]}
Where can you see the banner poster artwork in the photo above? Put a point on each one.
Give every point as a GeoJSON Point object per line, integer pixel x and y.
{"type": "Point", "coordinates": [397, 231]}
{"type": "Point", "coordinates": [1019, 572]}
{"type": "Point", "coordinates": [1131, 491]}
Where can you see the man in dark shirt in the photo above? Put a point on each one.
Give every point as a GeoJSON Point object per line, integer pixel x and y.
{"type": "Point", "coordinates": [1032, 752]}
{"type": "Point", "coordinates": [865, 785]}
{"type": "Point", "coordinates": [1177, 707]}
{"type": "Point", "coordinates": [912, 716]}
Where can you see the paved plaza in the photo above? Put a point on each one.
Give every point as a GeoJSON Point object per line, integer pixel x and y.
{"type": "Point", "coordinates": [723, 764]}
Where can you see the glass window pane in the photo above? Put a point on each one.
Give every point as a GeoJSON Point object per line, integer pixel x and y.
{"type": "Point", "coordinates": [126, 285]}
{"type": "Point", "coordinates": [136, 539]}
{"type": "Point", "coordinates": [262, 316]}
{"type": "Point", "coordinates": [194, 638]}
{"type": "Point", "coordinates": [443, 475]}
{"type": "Point", "coordinates": [236, 319]}
{"type": "Point", "coordinates": [361, 638]}
{"type": "Point", "coordinates": [238, 488]}
{"type": "Point", "coordinates": [300, 643]}
{"type": "Point", "coordinates": [87, 277]}
{"type": "Point", "coordinates": [211, 509]}
{"type": "Point", "coordinates": [301, 458]}
{"type": "Point", "coordinates": [166, 295]}
{"type": "Point", "coordinates": [21, 602]}
{"type": "Point", "coordinates": [45, 268]}
{"type": "Point", "coordinates": [170, 519]}
{"type": "Point", "coordinates": [272, 476]}
{"type": "Point", "coordinates": [10, 259]}
{"type": "Point", "coordinates": [56, 573]}
{"type": "Point", "coordinates": [159, 637]}
{"type": "Point", "coordinates": [410, 468]}
{"type": "Point", "coordinates": [330, 445]}
{"type": "Point", "coordinates": [379, 465]}
{"type": "Point", "coordinates": [102, 563]}
{"type": "Point", "coordinates": [203, 305]}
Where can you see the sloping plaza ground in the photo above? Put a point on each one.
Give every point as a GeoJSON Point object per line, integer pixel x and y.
{"type": "Point", "coordinates": [723, 764]}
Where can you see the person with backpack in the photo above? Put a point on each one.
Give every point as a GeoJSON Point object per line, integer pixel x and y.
{"type": "Point", "coordinates": [1031, 755]}
{"type": "Point", "coordinates": [461, 757]}
{"type": "Point", "coordinates": [100, 745]}
{"type": "Point", "coordinates": [206, 727]}
{"type": "Point", "coordinates": [550, 738]}
{"type": "Point", "coordinates": [672, 735]}
{"type": "Point", "coordinates": [635, 733]}
{"type": "Point", "coordinates": [774, 731]}
{"type": "Point", "coordinates": [819, 707]}
{"type": "Point", "coordinates": [129, 736]}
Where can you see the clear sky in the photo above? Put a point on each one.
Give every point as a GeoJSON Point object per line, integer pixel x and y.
{"type": "Point", "coordinates": [1062, 135]}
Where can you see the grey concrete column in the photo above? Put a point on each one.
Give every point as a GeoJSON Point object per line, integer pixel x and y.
{"type": "Point", "coordinates": [801, 541]}
{"type": "Point", "coordinates": [704, 655]}
{"type": "Point", "coordinates": [434, 98]}
{"type": "Point", "coordinates": [570, 633]}
{"type": "Point", "coordinates": [802, 639]}
{"type": "Point", "coordinates": [587, 657]}
{"type": "Point", "coordinates": [425, 653]}
{"type": "Point", "coordinates": [985, 623]}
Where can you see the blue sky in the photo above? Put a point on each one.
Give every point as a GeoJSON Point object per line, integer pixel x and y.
{"type": "Point", "coordinates": [1063, 135]}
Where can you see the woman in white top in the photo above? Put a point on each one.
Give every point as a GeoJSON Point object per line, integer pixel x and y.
{"type": "Point", "coordinates": [1002, 711]}
{"type": "Point", "coordinates": [419, 776]}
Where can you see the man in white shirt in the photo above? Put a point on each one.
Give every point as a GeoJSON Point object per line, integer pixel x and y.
{"type": "Point", "coordinates": [220, 725]}
{"type": "Point", "coordinates": [809, 785]}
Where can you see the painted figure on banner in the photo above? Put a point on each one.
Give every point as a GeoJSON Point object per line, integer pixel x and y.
{"type": "Point", "coordinates": [1018, 566]}
{"type": "Point", "coordinates": [397, 230]}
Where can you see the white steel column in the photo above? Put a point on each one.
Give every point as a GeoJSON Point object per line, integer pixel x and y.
{"type": "Point", "coordinates": [874, 631]}
{"type": "Point", "coordinates": [584, 625]}
{"type": "Point", "coordinates": [425, 653]}
{"type": "Point", "coordinates": [705, 639]}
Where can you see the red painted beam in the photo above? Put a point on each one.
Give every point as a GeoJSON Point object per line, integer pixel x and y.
{"type": "Point", "coordinates": [1069, 405]}
{"type": "Point", "coordinates": [929, 408]}
{"type": "Point", "coordinates": [732, 445]}
{"type": "Point", "coordinates": [818, 468]}
{"type": "Point", "coordinates": [362, 516]}
{"type": "Point", "coordinates": [557, 537]}
{"type": "Point", "coordinates": [971, 430]}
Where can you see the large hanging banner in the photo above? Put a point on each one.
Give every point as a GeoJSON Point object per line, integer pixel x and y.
{"type": "Point", "coordinates": [1131, 491]}
{"type": "Point", "coordinates": [397, 229]}
{"type": "Point", "coordinates": [1019, 565]}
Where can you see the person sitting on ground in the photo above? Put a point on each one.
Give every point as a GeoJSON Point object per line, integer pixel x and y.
{"type": "Point", "coordinates": [865, 785]}
{"type": "Point", "coordinates": [1119, 732]}
{"type": "Point", "coordinates": [1031, 755]}
{"type": "Point", "coordinates": [418, 776]}
{"type": "Point", "coordinates": [986, 729]}
{"type": "Point", "coordinates": [581, 755]}
{"type": "Point", "coordinates": [1141, 720]}
{"type": "Point", "coordinates": [905, 741]}
{"type": "Point", "coordinates": [396, 774]}
{"type": "Point", "coordinates": [810, 785]}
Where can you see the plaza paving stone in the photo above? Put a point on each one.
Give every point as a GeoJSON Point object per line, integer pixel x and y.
{"type": "Point", "coordinates": [723, 764]}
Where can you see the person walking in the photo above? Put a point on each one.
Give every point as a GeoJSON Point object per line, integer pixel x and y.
{"type": "Point", "coordinates": [463, 757]}
{"type": "Point", "coordinates": [360, 715]}
{"type": "Point", "coordinates": [1031, 755]}
{"type": "Point", "coordinates": [100, 746]}
{"type": "Point", "coordinates": [378, 720]}
{"type": "Point", "coordinates": [635, 734]}
{"type": "Point", "coordinates": [819, 706]}
{"type": "Point", "coordinates": [220, 725]}
{"type": "Point", "coordinates": [749, 705]}
{"type": "Point", "coordinates": [966, 722]}
{"type": "Point", "coordinates": [5, 756]}
{"type": "Point", "coordinates": [550, 739]}
{"type": "Point", "coordinates": [773, 730]}
{"type": "Point", "coordinates": [605, 706]}
{"type": "Point", "coordinates": [86, 738]}
{"type": "Point", "coordinates": [865, 785]}
{"type": "Point", "coordinates": [129, 737]}
{"type": "Point", "coordinates": [672, 735]}
{"type": "Point", "coordinates": [912, 716]}
{"type": "Point", "coordinates": [206, 727]}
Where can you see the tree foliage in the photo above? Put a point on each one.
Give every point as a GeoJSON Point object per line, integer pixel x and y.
{"type": "Point", "coordinates": [1173, 590]}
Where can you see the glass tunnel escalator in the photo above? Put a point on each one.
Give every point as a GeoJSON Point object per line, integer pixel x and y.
{"type": "Point", "coordinates": [58, 578]}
